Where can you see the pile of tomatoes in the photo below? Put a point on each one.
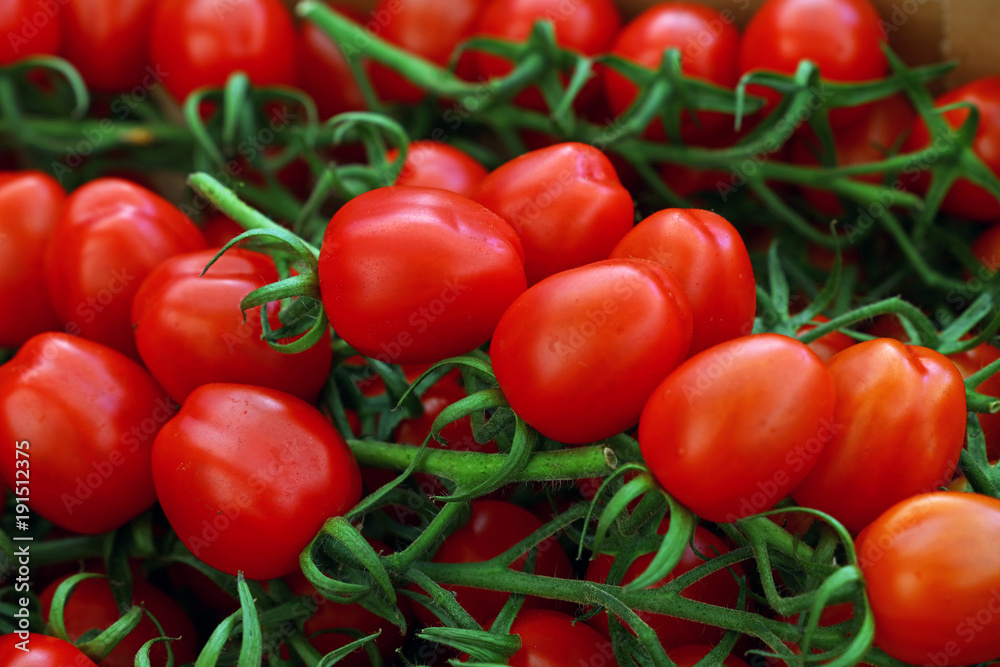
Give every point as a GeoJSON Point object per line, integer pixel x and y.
{"type": "Point", "coordinates": [494, 332]}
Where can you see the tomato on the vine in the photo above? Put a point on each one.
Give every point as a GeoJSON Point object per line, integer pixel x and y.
{"type": "Point", "coordinates": [971, 362]}
{"type": "Point", "coordinates": [692, 654]}
{"type": "Point", "coordinates": [190, 331]}
{"type": "Point", "coordinates": [553, 639]}
{"type": "Point", "coordinates": [432, 164]}
{"type": "Point", "coordinates": [30, 203]}
{"type": "Point", "coordinates": [44, 651]}
{"type": "Point", "coordinates": [324, 71]}
{"type": "Point", "coordinates": [932, 572]}
{"type": "Point", "coordinates": [879, 451]}
{"type": "Point", "coordinates": [110, 236]}
{"type": "Point", "coordinates": [625, 320]}
{"type": "Point", "coordinates": [735, 428]}
{"type": "Point", "coordinates": [202, 42]}
{"type": "Point", "coordinates": [829, 344]}
{"type": "Point", "coordinates": [240, 467]}
{"type": "Point", "coordinates": [710, 261]}
{"type": "Point", "coordinates": [27, 31]}
{"type": "Point", "coordinates": [416, 275]}
{"type": "Point", "coordinates": [107, 40]}
{"type": "Point", "coordinates": [565, 202]}
{"type": "Point", "coordinates": [88, 415]}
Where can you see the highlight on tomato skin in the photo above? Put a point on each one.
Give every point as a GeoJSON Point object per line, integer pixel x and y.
{"type": "Point", "coordinates": [45, 651]}
{"type": "Point", "coordinates": [432, 164]}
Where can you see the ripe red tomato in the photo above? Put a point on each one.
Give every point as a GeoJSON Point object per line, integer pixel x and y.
{"type": "Point", "coordinates": [966, 199]}
{"type": "Point", "coordinates": [92, 605]}
{"type": "Point", "coordinates": [29, 28]}
{"type": "Point", "coordinates": [41, 651]}
{"type": "Point", "coordinates": [110, 236]}
{"type": "Point", "coordinates": [708, 42]}
{"type": "Point", "coordinates": [880, 452]}
{"type": "Point", "coordinates": [709, 259]}
{"type": "Point", "coordinates": [30, 202]}
{"type": "Point", "coordinates": [323, 69]}
{"type": "Point", "coordinates": [566, 203]}
{"type": "Point", "coordinates": [628, 318]}
{"type": "Point", "coordinates": [691, 655]}
{"type": "Point", "coordinates": [107, 41]}
{"type": "Point", "coordinates": [190, 331]}
{"type": "Point", "coordinates": [432, 164]}
{"type": "Point", "coordinates": [973, 361]}
{"type": "Point", "coordinates": [553, 639]}
{"type": "Point", "coordinates": [932, 572]}
{"type": "Point", "coordinates": [90, 415]}
{"type": "Point", "coordinates": [870, 139]}
{"type": "Point", "coordinates": [736, 427]}
{"type": "Point", "coordinates": [242, 466]}
{"type": "Point", "coordinates": [987, 250]}
{"type": "Point", "coordinates": [201, 42]}
{"type": "Point", "coordinates": [494, 527]}
{"type": "Point", "coordinates": [415, 275]}
{"type": "Point", "coordinates": [585, 26]}
{"type": "Point", "coordinates": [841, 37]}
{"type": "Point", "coordinates": [329, 615]}
{"type": "Point", "coordinates": [718, 588]}
{"type": "Point", "coordinates": [219, 230]}
{"type": "Point", "coordinates": [427, 28]}
{"type": "Point", "coordinates": [830, 344]}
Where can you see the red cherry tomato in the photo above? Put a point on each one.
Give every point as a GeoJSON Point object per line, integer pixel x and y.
{"type": "Point", "coordinates": [566, 203]}
{"type": "Point", "coordinates": [871, 138]}
{"type": "Point", "coordinates": [932, 572]}
{"type": "Point", "coordinates": [89, 415]}
{"type": "Point", "coordinates": [691, 655]}
{"type": "Point", "coordinates": [432, 164]}
{"type": "Point", "coordinates": [709, 260]}
{"type": "Point", "coordinates": [708, 42]}
{"type": "Point", "coordinates": [830, 344]}
{"type": "Point", "coordinates": [323, 69]}
{"type": "Point", "coordinates": [219, 230]}
{"type": "Point", "coordinates": [973, 361]}
{"type": "Point", "coordinates": [734, 428]}
{"type": "Point", "coordinates": [29, 28]}
{"type": "Point", "coordinates": [416, 275]}
{"type": "Point", "coordinates": [966, 199]}
{"type": "Point", "coordinates": [40, 651]}
{"type": "Point", "coordinates": [627, 317]}
{"type": "Point", "coordinates": [585, 26]}
{"type": "Point", "coordinates": [240, 467]}
{"type": "Point", "coordinates": [190, 331]}
{"type": "Point", "coordinates": [718, 588]}
{"type": "Point", "coordinates": [201, 42]}
{"type": "Point", "coordinates": [30, 202]}
{"type": "Point", "coordinates": [110, 236]}
{"type": "Point", "coordinates": [987, 250]}
{"type": "Point", "coordinates": [494, 527]}
{"type": "Point", "coordinates": [553, 639]}
{"type": "Point", "coordinates": [428, 28]}
{"type": "Point", "coordinates": [92, 605]}
{"type": "Point", "coordinates": [880, 452]}
{"type": "Point", "coordinates": [107, 40]}
{"type": "Point", "coordinates": [841, 37]}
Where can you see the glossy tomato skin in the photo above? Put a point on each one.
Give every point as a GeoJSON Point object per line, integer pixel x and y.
{"type": "Point", "coordinates": [728, 444]}
{"type": "Point", "coordinates": [828, 345]}
{"type": "Point", "coordinates": [494, 527]}
{"type": "Point", "coordinates": [30, 202]}
{"type": "Point", "coordinates": [92, 605]}
{"type": "Point", "coordinates": [685, 26]}
{"type": "Point", "coordinates": [415, 275]}
{"type": "Point", "coordinates": [881, 452]}
{"type": "Point", "coordinates": [427, 28]}
{"type": "Point", "coordinates": [432, 164]}
{"type": "Point", "coordinates": [323, 69]}
{"type": "Point", "coordinates": [973, 361]}
{"type": "Point", "coordinates": [270, 469]}
{"type": "Point", "coordinates": [841, 37]}
{"type": "Point", "coordinates": [932, 572]}
{"type": "Point", "coordinates": [627, 317]}
{"type": "Point", "coordinates": [90, 415]}
{"type": "Point", "coordinates": [965, 199]}
{"type": "Point", "coordinates": [691, 655]}
{"type": "Point", "coordinates": [718, 588]}
{"type": "Point", "coordinates": [871, 139]}
{"type": "Point", "coordinates": [28, 30]}
{"type": "Point", "coordinates": [552, 639]}
{"type": "Point", "coordinates": [107, 41]}
{"type": "Point", "coordinates": [709, 259]}
{"type": "Point", "coordinates": [586, 26]}
{"type": "Point", "coordinates": [202, 42]}
{"type": "Point", "coordinates": [44, 651]}
{"type": "Point", "coordinates": [566, 203]}
{"type": "Point", "coordinates": [110, 236]}
{"type": "Point", "coordinates": [190, 331]}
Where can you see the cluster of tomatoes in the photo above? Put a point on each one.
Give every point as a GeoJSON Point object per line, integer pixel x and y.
{"type": "Point", "coordinates": [181, 402]}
